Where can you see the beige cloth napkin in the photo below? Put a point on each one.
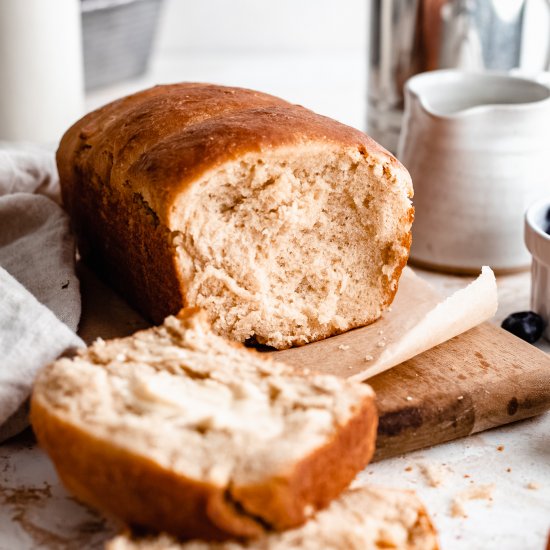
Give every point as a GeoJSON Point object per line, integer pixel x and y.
{"type": "Point", "coordinates": [39, 291]}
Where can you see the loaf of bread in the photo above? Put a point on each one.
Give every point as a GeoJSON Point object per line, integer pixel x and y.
{"type": "Point", "coordinates": [361, 519]}
{"type": "Point", "coordinates": [285, 226]}
{"type": "Point", "coordinates": [177, 429]}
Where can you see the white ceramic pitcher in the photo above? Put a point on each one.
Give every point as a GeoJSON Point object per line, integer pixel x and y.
{"type": "Point", "coordinates": [477, 146]}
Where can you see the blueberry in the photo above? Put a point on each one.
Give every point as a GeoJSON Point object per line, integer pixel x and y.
{"type": "Point", "coordinates": [526, 325]}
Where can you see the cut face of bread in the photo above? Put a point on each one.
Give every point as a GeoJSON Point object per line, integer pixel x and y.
{"type": "Point", "coordinates": [285, 226]}
{"type": "Point", "coordinates": [176, 429]}
{"type": "Point", "coordinates": [361, 519]}
{"type": "Point", "coordinates": [293, 245]}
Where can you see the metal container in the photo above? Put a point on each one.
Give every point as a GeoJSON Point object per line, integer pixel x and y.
{"type": "Point", "coordinates": [412, 36]}
{"type": "Point", "coordinates": [117, 37]}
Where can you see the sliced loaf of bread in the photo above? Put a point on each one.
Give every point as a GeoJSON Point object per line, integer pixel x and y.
{"type": "Point", "coordinates": [285, 226]}
{"type": "Point", "coordinates": [361, 519]}
{"type": "Point", "coordinates": [177, 429]}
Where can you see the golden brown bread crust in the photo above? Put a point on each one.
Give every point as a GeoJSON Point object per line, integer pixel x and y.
{"type": "Point", "coordinates": [123, 166]}
{"type": "Point", "coordinates": [143, 494]}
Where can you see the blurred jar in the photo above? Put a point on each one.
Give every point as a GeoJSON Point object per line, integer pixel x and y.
{"type": "Point", "coordinates": [41, 70]}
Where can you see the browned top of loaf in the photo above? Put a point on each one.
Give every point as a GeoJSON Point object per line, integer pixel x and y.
{"type": "Point", "coordinates": [161, 139]}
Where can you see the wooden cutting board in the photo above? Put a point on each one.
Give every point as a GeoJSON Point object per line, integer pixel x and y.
{"type": "Point", "coordinates": [483, 378]}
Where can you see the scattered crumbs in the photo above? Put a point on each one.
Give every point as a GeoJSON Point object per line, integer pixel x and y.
{"type": "Point", "coordinates": [408, 469]}
{"type": "Point", "coordinates": [381, 344]}
{"type": "Point", "coordinates": [457, 509]}
{"type": "Point", "coordinates": [380, 331]}
{"type": "Point", "coordinates": [480, 492]}
{"type": "Point", "coordinates": [533, 486]}
{"type": "Point", "coordinates": [306, 371]}
{"type": "Point", "coordinates": [121, 357]}
{"type": "Point", "coordinates": [508, 469]}
{"type": "Point", "coordinates": [433, 475]}
{"type": "Point", "coordinates": [466, 475]}
{"type": "Point", "coordinates": [409, 398]}
{"type": "Point", "coordinates": [500, 448]}
{"type": "Point", "coordinates": [369, 357]}
{"type": "Point", "coordinates": [460, 397]}
{"type": "Point", "coordinates": [390, 309]}
{"type": "Point", "coordinates": [343, 347]}
{"type": "Point", "coordinates": [486, 392]}
{"type": "Point", "coordinates": [350, 367]}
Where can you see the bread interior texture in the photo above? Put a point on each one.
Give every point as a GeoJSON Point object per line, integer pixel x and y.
{"type": "Point", "coordinates": [293, 245]}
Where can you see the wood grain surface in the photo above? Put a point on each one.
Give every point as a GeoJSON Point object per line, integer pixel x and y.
{"type": "Point", "coordinates": [481, 379]}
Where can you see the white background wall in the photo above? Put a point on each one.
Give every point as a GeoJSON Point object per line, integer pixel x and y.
{"type": "Point", "coordinates": [259, 26]}
{"type": "Point", "coordinates": [311, 52]}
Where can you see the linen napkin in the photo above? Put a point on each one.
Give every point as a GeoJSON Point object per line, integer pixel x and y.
{"type": "Point", "coordinates": [39, 291]}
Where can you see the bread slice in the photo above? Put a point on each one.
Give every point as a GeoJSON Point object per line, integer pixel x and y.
{"type": "Point", "coordinates": [176, 429]}
{"type": "Point", "coordinates": [364, 518]}
{"type": "Point", "coordinates": [285, 226]}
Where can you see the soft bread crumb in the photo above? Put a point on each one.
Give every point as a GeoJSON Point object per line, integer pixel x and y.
{"type": "Point", "coordinates": [291, 246]}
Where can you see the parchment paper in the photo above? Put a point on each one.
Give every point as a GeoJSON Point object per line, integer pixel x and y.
{"type": "Point", "coordinates": [419, 319]}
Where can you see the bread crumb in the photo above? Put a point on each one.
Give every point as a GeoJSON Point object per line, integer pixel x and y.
{"type": "Point", "coordinates": [408, 469]}
{"type": "Point", "coordinates": [533, 486]}
{"type": "Point", "coordinates": [508, 469]}
{"type": "Point", "coordinates": [380, 332]}
{"type": "Point", "coordinates": [306, 371]}
{"type": "Point", "coordinates": [409, 398]}
{"type": "Point", "coordinates": [500, 448]}
{"type": "Point", "coordinates": [121, 357]}
{"type": "Point", "coordinates": [369, 357]}
{"type": "Point", "coordinates": [381, 344]}
{"type": "Point", "coordinates": [460, 397]}
{"type": "Point", "coordinates": [466, 475]}
{"type": "Point", "coordinates": [308, 510]}
{"type": "Point", "coordinates": [480, 492]}
{"type": "Point", "coordinates": [457, 509]}
{"type": "Point", "coordinates": [389, 309]}
{"type": "Point", "coordinates": [343, 347]}
{"type": "Point", "coordinates": [432, 474]}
